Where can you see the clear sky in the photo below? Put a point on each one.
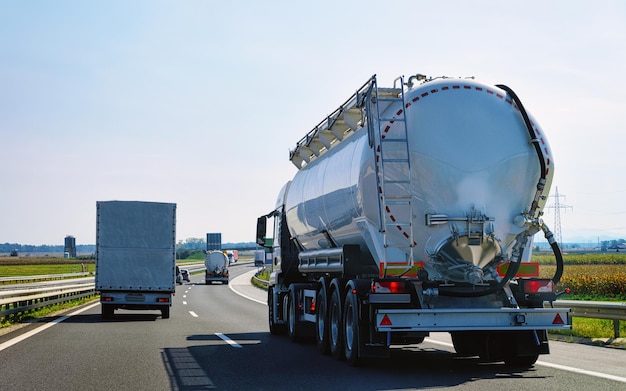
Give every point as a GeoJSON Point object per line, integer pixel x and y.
{"type": "Point", "coordinates": [199, 102]}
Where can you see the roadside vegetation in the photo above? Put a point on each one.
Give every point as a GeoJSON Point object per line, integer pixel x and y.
{"type": "Point", "coordinates": [41, 313]}
{"type": "Point", "coordinates": [600, 277]}
{"type": "Point", "coordinates": [35, 266]}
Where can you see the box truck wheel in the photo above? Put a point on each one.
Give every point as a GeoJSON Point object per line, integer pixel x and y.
{"type": "Point", "coordinates": [107, 311]}
{"type": "Point", "coordinates": [335, 328]}
{"type": "Point", "coordinates": [351, 328]}
{"type": "Point", "coordinates": [522, 362]}
{"type": "Point", "coordinates": [321, 319]}
{"type": "Point", "coordinates": [165, 312]}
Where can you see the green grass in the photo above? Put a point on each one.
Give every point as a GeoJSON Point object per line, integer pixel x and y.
{"type": "Point", "coordinates": [41, 269]}
{"type": "Point", "coordinates": [42, 312]}
{"type": "Point", "coordinates": [591, 328]}
{"type": "Point", "coordinates": [263, 275]}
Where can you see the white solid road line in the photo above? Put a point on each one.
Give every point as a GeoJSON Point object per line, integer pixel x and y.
{"type": "Point", "coordinates": [555, 366]}
{"type": "Point", "coordinates": [29, 334]}
{"type": "Point", "coordinates": [582, 371]}
{"type": "Point", "coordinates": [236, 282]}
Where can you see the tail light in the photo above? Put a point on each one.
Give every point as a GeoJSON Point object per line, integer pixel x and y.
{"type": "Point", "coordinates": [389, 287]}
{"type": "Point", "coordinates": [538, 285]}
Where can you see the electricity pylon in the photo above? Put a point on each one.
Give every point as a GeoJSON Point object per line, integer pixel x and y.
{"type": "Point", "coordinates": [557, 206]}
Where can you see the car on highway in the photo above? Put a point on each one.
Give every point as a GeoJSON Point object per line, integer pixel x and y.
{"type": "Point", "coordinates": [185, 275]}
{"type": "Point", "coordinates": [179, 276]}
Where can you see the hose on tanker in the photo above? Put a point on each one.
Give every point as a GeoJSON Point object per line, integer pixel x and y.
{"type": "Point", "coordinates": [557, 254]}
{"type": "Point", "coordinates": [533, 137]}
{"type": "Point", "coordinates": [529, 127]}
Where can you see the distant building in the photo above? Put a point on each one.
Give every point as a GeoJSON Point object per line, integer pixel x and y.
{"type": "Point", "coordinates": [617, 248]}
{"type": "Point", "coordinates": [69, 249]}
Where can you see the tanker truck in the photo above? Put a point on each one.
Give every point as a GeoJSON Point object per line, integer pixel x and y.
{"type": "Point", "coordinates": [412, 211]}
{"type": "Point", "coordinates": [216, 264]}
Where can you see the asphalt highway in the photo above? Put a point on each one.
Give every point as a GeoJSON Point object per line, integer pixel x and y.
{"type": "Point", "coordinates": [217, 339]}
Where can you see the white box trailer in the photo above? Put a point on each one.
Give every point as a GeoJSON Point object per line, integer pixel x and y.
{"type": "Point", "coordinates": [135, 256]}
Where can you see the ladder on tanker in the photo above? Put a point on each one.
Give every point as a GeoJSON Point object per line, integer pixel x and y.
{"type": "Point", "coordinates": [393, 176]}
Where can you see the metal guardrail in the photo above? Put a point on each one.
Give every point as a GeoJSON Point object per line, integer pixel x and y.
{"type": "Point", "coordinates": [45, 277]}
{"type": "Point", "coordinates": [259, 281]}
{"type": "Point", "coordinates": [23, 300]}
{"type": "Point", "coordinates": [610, 310]}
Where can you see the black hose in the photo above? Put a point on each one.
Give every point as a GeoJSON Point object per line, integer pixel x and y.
{"type": "Point", "coordinates": [557, 254]}
{"type": "Point", "coordinates": [529, 127]}
{"type": "Point", "coordinates": [559, 262]}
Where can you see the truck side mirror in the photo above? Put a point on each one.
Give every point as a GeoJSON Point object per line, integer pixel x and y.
{"type": "Point", "coordinates": [261, 229]}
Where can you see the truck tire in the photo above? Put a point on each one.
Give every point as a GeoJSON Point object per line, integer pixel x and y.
{"type": "Point", "coordinates": [351, 329]}
{"type": "Point", "coordinates": [292, 317]}
{"type": "Point", "coordinates": [107, 311]}
{"type": "Point", "coordinates": [521, 362]}
{"type": "Point", "coordinates": [275, 329]}
{"type": "Point", "coordinates": [335, 328]}
{"type": "Point", "coordinates": [321, 319]}
{"type": "Point", "coordinates": [165, 312]}
{"type": "Point", "coordinates": [468, 343]}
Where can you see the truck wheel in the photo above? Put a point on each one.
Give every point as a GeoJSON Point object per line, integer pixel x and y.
{"type": "Point", "coordinates": [165, 312]}
{"type": "Point", "coordinates": [275, 329]}
{"type": "Point", "coordinates": [467, 343]}
{"type": "Point", "coordinates": [351, 328]}
{"type": "Point", "coordinates": [335, 331]}
{"type": "Point", "coordinates": [321, 320]}
{"type": "Point", "coordinates": [521, 362]}
{"type": "Point", "coordinates": [107, 311]}
{"type": "Point", "coordinates": [292, 318]}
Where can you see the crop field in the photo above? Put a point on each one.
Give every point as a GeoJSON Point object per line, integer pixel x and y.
{"type": "Point", "coordinates": [34, 266]}
{"type": "Point", "coordinates": [589, 276]}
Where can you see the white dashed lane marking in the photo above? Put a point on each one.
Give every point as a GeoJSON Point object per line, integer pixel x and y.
{"type": "Point", "coordinates": [228, 340]}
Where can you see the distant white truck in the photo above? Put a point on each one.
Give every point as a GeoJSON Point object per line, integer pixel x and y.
{"type": "Point", "coordinates": [135, 256]}
{"type": "Point", "coordinates": [216, 264]}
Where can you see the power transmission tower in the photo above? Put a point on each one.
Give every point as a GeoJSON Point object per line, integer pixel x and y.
{"type": "Point", "coordinates": [557, 206]}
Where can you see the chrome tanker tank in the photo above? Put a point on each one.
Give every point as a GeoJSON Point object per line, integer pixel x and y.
{"type": "Point", "coordinates": [479, 168]}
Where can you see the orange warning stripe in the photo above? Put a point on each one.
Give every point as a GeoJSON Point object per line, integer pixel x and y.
{"type": "Point", "coordinates": [526, 269]}
{"type": "Point", "coordinates": [395, 268]}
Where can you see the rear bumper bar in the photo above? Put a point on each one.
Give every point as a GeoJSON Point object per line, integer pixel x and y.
{"type": "Point", "coordinates": [468, 319]}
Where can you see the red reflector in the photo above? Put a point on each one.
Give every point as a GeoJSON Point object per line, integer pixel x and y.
{"type": "Point", "coordinates": [163, 300]}
{"type": "Point", "coordinates": [558, 320]}
{"type": "Point", "coordinates": [386, 321]}
{"type": "Point", "coordinates": [106, 299]}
